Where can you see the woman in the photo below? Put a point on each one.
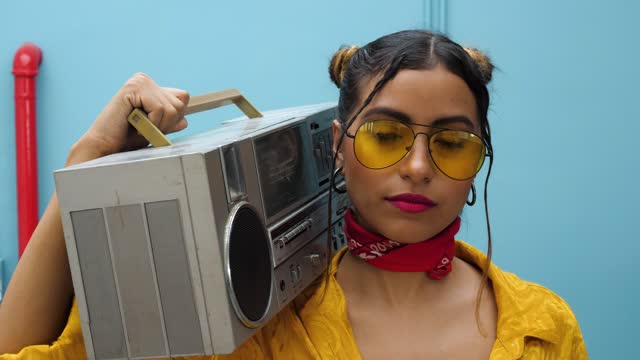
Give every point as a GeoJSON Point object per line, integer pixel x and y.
{"type": "Point", "coordinates": [412, 134]}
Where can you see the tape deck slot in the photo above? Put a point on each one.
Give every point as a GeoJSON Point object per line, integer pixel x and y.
{"type": "Point", "coordinates": [291, 233]}
{"type": "Point", "coordinates": [296, 231]}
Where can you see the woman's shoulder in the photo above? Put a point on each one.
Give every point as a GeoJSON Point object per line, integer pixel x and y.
{"type": "Point", "coordinates": [301, 327]}
{"type": "Point", "coordinates": [282, 336]}
{"type": "Point", "coordinates": [532, 318]}
{"type": "Point", "coordinates": [514, 292]}
{"type": "Point", "coordinates": [510, 287]}
{"type": "Point", "coordinates": [528, 300]}
{"type": "Point", "coordinates": [527, 310]}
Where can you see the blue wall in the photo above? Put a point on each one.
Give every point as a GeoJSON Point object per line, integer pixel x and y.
{"type": "Point", "coordinates": [276, 54]}
{"type": "Point", "coordinates": [562, 191]}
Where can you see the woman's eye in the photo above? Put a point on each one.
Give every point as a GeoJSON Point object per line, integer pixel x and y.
{"type": "Point", "coordinates": [386, 136]}
{"type": "Point", "coordinates": [450, 144]}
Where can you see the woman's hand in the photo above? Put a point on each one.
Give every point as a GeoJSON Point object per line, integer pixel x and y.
{"type": "Point", "coordinates": [111, 132]}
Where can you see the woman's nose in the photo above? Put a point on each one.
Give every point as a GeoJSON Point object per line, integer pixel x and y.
{"type": "Point", "coordinates": [417, 166]}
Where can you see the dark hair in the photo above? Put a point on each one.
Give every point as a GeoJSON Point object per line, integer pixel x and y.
{"type": "Point", "coordinates": [414, 50]}
{"type": "Point", "coordinates": [351, 66]}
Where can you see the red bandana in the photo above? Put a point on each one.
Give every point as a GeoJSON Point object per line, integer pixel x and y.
{"type": "Point", "coordinates": [433, 256]}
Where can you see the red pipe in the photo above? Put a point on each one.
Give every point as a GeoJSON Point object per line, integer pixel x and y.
{"type": "Point", "coordinates": [25, 69]}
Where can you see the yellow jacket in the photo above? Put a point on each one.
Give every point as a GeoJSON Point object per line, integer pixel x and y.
{"type": "Point", "coordinates": [533, 323]}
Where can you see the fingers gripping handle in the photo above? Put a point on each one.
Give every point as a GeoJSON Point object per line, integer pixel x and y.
{"type": "Point", "coordinates": [138, 118]}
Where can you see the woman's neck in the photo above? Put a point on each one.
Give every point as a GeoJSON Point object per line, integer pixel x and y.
{"type": "Point", "coordinates": [390, 289]}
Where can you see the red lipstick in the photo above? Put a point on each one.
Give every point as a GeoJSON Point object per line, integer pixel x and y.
{"type": "Point", "coordinates": [411, 203]}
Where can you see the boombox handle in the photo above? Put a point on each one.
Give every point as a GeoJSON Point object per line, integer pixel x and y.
{"type": "Point", "coordinates": [138, 118]}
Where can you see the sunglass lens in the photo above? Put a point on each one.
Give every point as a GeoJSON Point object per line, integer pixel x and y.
{"type": "Point", "coordinates": [382, 143]}
{"type": "Point", "coordinates": [458, 154]}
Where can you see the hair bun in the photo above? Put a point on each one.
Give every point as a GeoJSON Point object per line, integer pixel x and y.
{"type": "Point", "coordinates": [339, 62]}
{"type": "Point", "coordinates": [484, 63]}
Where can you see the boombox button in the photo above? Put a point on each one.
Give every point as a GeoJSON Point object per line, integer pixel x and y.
{"type": "Point", "coordinates": [295, 275]}
{"type": "Point", "coordinates": [279, 242]}
{"type": "Point", "coordinates": [308, 223]}
{"type": "Point", "coordinates": [314, 259]}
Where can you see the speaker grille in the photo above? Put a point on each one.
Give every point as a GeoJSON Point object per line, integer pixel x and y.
{"type": "Point", "coordinates": [250, 268]}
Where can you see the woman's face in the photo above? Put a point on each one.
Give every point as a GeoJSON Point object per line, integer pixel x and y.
{"type": "Point", "coordinates": [427, 97]}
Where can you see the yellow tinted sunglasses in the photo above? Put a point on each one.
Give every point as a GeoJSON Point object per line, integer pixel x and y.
{"type": "Point", "coordinates": [379, 144]}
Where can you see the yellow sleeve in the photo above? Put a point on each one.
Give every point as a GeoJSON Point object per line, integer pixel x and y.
{"type": "Point", "coordinates": [578, 347]}
{"type": "Point", "coordinates": [573, 346]}
{"type": "Point", "coordinates": [70, 344]}
{"type": "Point", "coordinates": [566, 341]}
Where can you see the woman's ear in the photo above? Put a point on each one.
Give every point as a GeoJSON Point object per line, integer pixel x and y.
{"type": "Point", "coordinates": [337, 131]}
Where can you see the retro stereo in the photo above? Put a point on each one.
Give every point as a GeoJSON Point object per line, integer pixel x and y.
{"type": "Point", "coordinates": [188, 249]}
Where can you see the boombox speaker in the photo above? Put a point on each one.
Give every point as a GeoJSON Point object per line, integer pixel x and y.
{"type": "Point", "coordinates": [189, 248]}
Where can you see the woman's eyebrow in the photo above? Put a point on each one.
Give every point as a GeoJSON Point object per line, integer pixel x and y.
{"type": "Point", "coordinates": [400, 116]}
{"type": "Point", "coordinates": [397, 115]}
{"type": "Point", "coordinates": [448, 120]}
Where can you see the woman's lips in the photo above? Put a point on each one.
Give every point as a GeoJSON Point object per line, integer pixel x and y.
{"type": "Point", "coordinates": [411, 203]}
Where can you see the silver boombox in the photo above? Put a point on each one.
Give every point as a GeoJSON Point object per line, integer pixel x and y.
{"type": "Point", "coordinates": [188, 249]}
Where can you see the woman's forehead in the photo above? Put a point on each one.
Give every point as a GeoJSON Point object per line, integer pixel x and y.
{"type": "Point", "coordinates": [425, 95]}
